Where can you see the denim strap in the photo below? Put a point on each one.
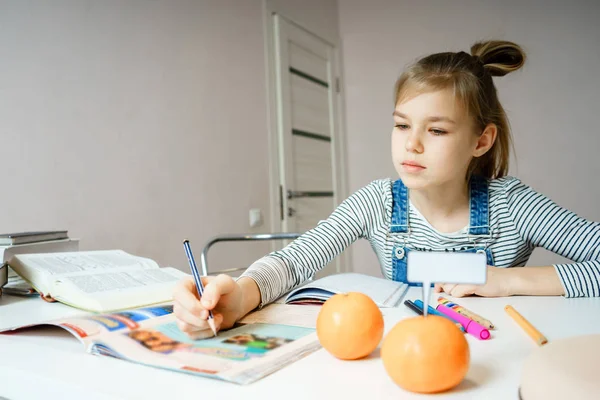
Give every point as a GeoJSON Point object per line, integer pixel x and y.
{"type": "Point", "coordinates": [479, 205]}
{"type": "Point", "coordinates": [399, 208]}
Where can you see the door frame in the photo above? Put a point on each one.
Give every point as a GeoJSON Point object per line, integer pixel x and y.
{"type": "Point", "coordinates": [338, 139]}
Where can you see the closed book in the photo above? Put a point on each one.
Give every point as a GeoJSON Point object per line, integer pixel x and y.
{"type": "Point", "coordinates": [8, 239]}
{"type": "Point", "coordinates": [3, 275]}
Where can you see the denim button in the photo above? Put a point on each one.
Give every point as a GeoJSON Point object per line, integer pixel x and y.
{"type": "Point", "coordinates": [399, 253]}
{"type": "Point", "coordinates": [481, 251]}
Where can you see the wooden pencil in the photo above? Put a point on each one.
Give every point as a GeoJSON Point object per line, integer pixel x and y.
{"type": "Point", "coordinates": [536, 335]}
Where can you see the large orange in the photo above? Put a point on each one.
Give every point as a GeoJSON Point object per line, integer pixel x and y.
{"type": "Point", "coordinates": [350, 325]}
{"type": "Point", "coordinates": [426, 354]}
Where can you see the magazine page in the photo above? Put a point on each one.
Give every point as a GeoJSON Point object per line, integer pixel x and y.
{"type": "Point", "coordinates": [87, 327]}
{"type": "Point", "coordinates": [286, 314]}
{"type": "Point", "coordinates": [242, 354]}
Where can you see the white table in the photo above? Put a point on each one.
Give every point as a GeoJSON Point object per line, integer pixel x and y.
{"type": "Point", "coordinates": [50, 363]}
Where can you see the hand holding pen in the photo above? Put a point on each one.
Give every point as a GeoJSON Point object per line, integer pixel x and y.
{"type": "Point", "coordinates": [198, 281]}
{"type": "Point", "coordinates": [195, 300]}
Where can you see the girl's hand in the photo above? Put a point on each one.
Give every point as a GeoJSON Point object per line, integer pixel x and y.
{"type": "Point", "coordinates": [497, 285]}
{"type": "Point", "coordinates": [222, 295]}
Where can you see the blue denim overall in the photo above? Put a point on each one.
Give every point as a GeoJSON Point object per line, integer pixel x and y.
{"type": "Point", "coordinates": [478, 232]}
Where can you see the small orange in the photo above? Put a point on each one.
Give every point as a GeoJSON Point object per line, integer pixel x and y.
{"type": "Point", "coordinates": [426, 354]}
{"type": "Point", "coordinates": [350, 325]}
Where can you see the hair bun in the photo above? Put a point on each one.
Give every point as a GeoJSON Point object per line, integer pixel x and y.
{"type": "Point", "coordinates": [499, 57]}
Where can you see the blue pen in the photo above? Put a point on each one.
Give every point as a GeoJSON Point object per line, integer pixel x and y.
{"type": "Point", "coordinates": [433, 311]}
{"type": "Point", "coordinates": [199, 286]}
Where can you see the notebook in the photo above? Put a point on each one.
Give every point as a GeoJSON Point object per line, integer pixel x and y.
{"type": "Point", "coordinates": [384, 292]}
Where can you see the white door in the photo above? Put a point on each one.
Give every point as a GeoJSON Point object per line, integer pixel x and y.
{"type": "Point", "coordinates": [309, 150]}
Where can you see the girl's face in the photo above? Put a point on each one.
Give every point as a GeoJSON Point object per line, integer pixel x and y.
{"type": "Point", "coordinates": [433, 140]}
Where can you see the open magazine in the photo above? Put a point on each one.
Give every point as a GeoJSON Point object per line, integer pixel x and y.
{"type": "Point", "coordinates": [150, 336]}
{"type": "Point", "coordinates": [384, 292]}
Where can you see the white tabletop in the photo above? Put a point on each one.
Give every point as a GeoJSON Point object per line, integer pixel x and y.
{"type": "Point", "coordinates": [50, 363]}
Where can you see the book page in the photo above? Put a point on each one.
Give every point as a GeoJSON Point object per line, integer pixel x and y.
{"type": "Point", "coordinates": [59, 264]}
{"type": "Point", "coordinates": [109, 291]}
{"type": "Point", "coordinates": [117, 281]}
{"type": "Point", "coordinates": [286, 314]}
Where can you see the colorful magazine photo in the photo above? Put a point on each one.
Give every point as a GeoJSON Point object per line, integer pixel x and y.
{"type": "Point", "coordinates": [150, 336]}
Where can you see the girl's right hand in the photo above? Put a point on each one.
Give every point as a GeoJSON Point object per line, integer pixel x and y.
{"type": "Point", "coordinates": [222, 295]}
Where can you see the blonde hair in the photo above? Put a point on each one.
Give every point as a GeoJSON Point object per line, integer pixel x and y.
{"type": "Point", "coordinates": [470, 76]}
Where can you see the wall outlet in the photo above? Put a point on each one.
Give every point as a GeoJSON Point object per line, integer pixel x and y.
{"type": "Point", "coordinates": [255, 217]}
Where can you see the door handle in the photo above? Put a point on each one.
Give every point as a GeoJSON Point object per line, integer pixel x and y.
{"type": "Point", "coordinates": [294, 194]}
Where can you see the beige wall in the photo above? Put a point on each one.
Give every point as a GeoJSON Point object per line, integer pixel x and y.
{"type": "Point", "coordinates": [552, 103]}
{"type": "Point", "coordinates": [136, 124]}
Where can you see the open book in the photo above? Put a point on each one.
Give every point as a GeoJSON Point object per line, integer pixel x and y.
{"type": "Point", "coordinates": [98, 281]}
{"type": "Point", "coordinates": [150, 336]}
{"type": "Point", "coordinates": [384, 292]}
{"type": "Point", "coordinates": [16, 285]}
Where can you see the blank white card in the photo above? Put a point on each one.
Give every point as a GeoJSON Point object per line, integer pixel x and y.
{"type": "Point", "coordinates": [446, 267]}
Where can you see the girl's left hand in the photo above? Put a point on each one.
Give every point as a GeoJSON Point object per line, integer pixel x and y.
{"type": "Point", "coordinates": [497, 285]}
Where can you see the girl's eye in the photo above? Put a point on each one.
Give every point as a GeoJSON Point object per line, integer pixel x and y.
{"type": "Point", "coordinates": [402, 126]}
{"type": "Point", "coordinates": [438, 132]}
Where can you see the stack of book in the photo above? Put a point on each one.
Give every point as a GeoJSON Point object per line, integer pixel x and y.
{"type": "Point", "coordinates": [28, 243]}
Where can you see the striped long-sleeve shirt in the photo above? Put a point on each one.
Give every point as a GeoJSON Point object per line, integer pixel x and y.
{"type": "Point", "coordinates": [520, 219]}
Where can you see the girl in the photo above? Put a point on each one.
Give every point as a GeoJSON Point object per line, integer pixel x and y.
{"type": "Point", "coordinates": [450, 147]}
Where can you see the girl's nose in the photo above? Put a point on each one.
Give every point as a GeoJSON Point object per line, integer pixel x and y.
{"type": "Point", "coordinates": [413, 142]}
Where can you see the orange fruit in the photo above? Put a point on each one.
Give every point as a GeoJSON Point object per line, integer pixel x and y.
{"type": "Point", "coordinates": [426, 354]}
{"type": "Point", "coordinates": [350, 325]}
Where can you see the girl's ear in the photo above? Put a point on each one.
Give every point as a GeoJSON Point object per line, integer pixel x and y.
{"type": "Point", "coordinates": [486, 140]}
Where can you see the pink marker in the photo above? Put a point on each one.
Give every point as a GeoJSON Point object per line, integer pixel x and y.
{"type": "Point", "coordinates": [472, 327]}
